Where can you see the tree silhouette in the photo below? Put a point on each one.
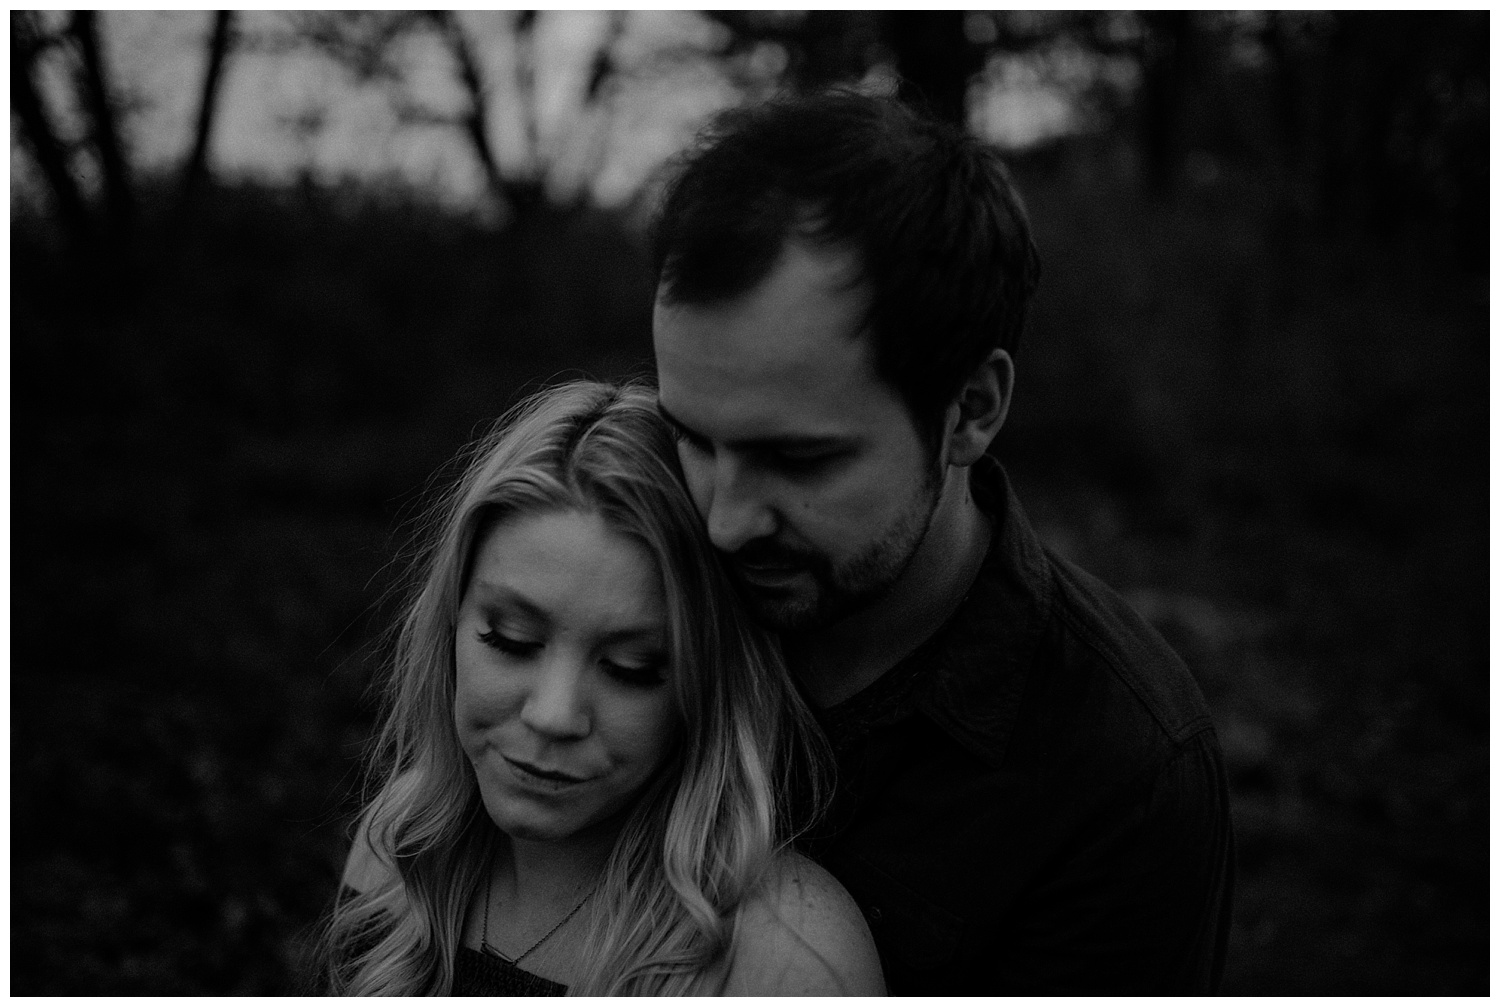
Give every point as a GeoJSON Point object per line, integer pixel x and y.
{"type": "Point", "coordinates": [28, 42]}
{"type": "Point", "coordinates": [104, 133]}
{"type": "Point", "coordinates": [195, 169]}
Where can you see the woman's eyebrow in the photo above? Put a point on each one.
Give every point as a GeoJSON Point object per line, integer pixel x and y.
{"type": "Point", "coordinates": [650, 632]}
{"type": "Point", "coordinates": [653, 634]}
{"type": "Point", "coordinates": [496, 594]}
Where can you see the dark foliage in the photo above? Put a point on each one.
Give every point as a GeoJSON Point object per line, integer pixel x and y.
{"type": "Point", "coordinates": [1273, 440]}
{"type": "Point", "coordinates": [212, 467]}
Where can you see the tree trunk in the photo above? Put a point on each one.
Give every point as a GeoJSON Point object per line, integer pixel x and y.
{"type": "Point", "coordinates": [528, 193]}
{"type": "Point", "coordinates": [935, 60]}
{"type": "Point", "coordinates": [105, 134]}
{"type": "Point", "coordinates": [1163, 88]}
{"type": "Point", "coordinates": [196, 170]}
{"type": "Point", "coordinates": [474, 120]}
{"type": "Point", "coordinates": [37, 131]}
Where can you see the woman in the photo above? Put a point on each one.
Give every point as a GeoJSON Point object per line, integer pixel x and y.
{"type": "Point", "coordinates": [588, 747]}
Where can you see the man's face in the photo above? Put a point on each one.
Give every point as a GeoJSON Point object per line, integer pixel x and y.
{"type": "Point", "coordinates": [805, 466]}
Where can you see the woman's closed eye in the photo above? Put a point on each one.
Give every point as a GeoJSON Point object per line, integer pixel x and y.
{"type": "Point", "coordinates": [509, 645]}
{"type": "Point", "coordinates": [643, 673]}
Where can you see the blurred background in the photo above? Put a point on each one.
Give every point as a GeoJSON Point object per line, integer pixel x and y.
{"type": "Point", "coordinates": [270, 271]}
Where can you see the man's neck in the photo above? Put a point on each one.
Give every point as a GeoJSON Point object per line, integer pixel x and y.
{"type": "Point", "coordinates": [835, 663]}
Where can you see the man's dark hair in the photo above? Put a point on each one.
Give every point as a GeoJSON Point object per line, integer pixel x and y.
{"type": "Point", "coordinates": [942, 240]}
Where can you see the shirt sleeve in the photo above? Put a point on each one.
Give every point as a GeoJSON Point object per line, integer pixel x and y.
{"type": "Point", "coordinates": [1139, 903]}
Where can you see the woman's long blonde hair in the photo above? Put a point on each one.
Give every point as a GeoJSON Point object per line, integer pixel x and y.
{"type": "Point", "coordinates": [698, 840]}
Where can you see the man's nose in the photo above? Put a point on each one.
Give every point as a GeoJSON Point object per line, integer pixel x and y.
{"type": "Point", "coordinates": [557, 705]}
{"type": "Point", "coordinates": [739, 510]}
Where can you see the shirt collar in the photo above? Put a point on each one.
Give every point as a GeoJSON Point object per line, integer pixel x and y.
{"type": "Point", "coordinates": [979, 660]}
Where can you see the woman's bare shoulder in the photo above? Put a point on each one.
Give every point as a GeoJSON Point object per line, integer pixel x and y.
{"type": "Point", "coordinates": [803, 936]}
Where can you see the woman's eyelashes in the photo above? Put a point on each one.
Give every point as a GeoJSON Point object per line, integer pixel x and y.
{"type": "Point", "coordinates": [509, 644]}
{"type": "Point", "coordinates": [643, 673]}
{"type": "Point", "coordinates": [643, 670]}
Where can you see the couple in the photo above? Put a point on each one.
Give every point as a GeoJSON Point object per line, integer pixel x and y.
{"type": "Point", "coordinates": [760, 682]}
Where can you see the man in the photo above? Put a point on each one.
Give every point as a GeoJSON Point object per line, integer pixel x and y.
{"type": "Point", "coordinates": [1030, 795]}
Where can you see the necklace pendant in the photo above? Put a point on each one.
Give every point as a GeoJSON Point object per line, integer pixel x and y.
{"type": "Point", "coordinates": [495, 952]}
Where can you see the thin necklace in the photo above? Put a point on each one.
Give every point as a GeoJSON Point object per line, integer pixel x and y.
{"type": "Point", "coordinates": [484, 937]}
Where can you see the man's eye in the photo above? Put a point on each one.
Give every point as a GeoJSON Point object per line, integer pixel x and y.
{"type": "Point", "coordinates": [692, 440]}
{"type": "Point", "coordinates": [509, 645]}
{"type": "Point", "coordinates": [644, 675]}
{"type": "Point", "coordinates": [810, 461]}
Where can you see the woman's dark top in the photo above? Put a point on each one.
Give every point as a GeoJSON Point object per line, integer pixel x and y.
{"type": "Point", "coordinates": [476, 974]}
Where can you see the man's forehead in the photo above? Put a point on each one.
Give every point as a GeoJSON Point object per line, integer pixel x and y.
{"type": "Point", "coordinates": [720, 389]}
{"type": "Point", "coordinates": [804, 353]}
{"type": "Point", "coordinates": [788, 356]}
{"type": "Point", "coordinates": [698, 346]}
{"type": "Point", "coordinates": [808, 307]}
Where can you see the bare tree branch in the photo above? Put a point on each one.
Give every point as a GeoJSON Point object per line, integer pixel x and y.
{"type": "Point", "coordinates": [105, 136]}
{"type": "Point", "coordinates": [196, 168]}
{"type": "Point", "coordinates": [26, 44]}
{"type": "Point", "coordinates": [358, 40]}
{"type": "Point", "coordinates": [526, 87]}
{"type": "Point", "coordinates": [473, 122]}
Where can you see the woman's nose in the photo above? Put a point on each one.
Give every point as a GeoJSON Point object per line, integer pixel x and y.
{"type": "Point", "coordinates": [557, 705]}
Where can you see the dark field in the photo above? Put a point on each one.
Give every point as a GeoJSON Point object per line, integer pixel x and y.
{"type": "Point", "coordinates": [1273, 438]}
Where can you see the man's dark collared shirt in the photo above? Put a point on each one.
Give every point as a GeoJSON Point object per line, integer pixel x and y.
{"type": "Point", "coordinates": [1034, 801]}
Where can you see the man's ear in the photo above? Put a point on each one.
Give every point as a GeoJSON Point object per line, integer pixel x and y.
{"type": "Point", "coordinates": [978, 413]}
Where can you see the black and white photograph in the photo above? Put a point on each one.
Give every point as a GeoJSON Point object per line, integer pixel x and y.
{"type": "Point", "coordinates": [749, 503]}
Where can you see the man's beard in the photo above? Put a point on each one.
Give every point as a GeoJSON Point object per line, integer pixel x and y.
{"type": "Point", "coordinates": [838, 591]}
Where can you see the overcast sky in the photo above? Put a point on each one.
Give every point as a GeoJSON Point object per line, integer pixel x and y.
{"type": "Point", "coordinates": [288, 109]}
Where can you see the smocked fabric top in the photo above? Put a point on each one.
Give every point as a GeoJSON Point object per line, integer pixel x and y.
{"type": "Point", "coordinates": [476, 974]}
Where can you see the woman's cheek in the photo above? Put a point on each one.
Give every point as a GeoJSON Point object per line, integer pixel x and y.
{"type": "Point", "coordinates": [480, 693]}
{"type": "Point", "coordinates": [653, 729]}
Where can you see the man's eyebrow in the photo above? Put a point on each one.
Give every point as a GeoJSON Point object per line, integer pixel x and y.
{"type": "Point", "coordinates": [763, 443]}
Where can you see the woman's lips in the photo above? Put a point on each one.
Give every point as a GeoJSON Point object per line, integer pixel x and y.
{"type": "Point", "coordinates": [550, 779]}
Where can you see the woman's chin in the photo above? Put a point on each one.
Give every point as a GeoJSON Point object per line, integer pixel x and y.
{"type": "Point", "coordinates": [524, 821]}
{"type": "Point", "coordinates": [531, 824]}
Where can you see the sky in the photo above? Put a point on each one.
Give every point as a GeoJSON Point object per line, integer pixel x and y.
{"type": "Point", "coordinates": [287, 109]}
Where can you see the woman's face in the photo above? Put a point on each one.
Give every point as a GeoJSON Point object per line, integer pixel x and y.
{"type": "Point", "coordinates": [562, 700]}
